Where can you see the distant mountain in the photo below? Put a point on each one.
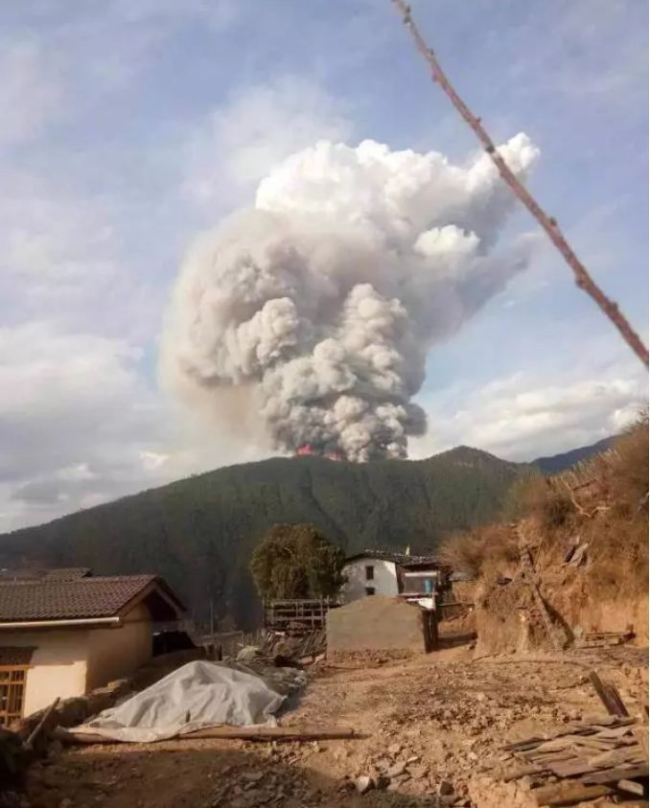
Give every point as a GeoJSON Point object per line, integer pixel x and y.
{"type": "Point", "coordinates": [560, 462]}
{"type": "Point", "coordinates": [199, 532]}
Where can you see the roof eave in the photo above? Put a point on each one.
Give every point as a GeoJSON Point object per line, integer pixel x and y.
{"type": "Point", "coordinates": [77, 622]}
{"type": "Point", "coordinates": [377, 556]}
{"type": "Point", "coordinates": [161, 588]}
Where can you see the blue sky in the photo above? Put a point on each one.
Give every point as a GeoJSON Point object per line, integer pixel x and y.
{"type": "Point", "coordinates": [128, 126]}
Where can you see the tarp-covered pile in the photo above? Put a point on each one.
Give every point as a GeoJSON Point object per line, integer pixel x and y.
{"type": "Point", "coordinates": [195, 696]}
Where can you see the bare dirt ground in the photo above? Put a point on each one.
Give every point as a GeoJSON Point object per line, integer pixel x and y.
{"type": "Point", "coordinates": [434, 728]}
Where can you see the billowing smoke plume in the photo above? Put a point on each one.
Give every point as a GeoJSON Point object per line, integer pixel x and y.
{"type": "Point", "coordinates": [323, 301]}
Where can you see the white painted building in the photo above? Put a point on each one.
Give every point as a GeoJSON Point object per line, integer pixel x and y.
{"type": "Point", "coordinates": [369, 575]}
{"type": "Point", "coordinates": [377, 572]}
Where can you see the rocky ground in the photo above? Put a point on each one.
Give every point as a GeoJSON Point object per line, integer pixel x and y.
{"type": "Point", "coordinates": [433, 730]}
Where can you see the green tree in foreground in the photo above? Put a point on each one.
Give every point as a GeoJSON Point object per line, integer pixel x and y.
{"type": "Point", "coordinates": [296, 561]}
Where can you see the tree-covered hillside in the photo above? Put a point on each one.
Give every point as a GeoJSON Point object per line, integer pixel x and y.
{"type": "Point", "coordinates": [556, 463]}
{"type": "Point", "coordinates": [199, 533]}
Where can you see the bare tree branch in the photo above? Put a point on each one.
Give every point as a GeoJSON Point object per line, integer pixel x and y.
{"type": "Point", "coordinates": [578, 506]}
{"type": "Point", "coordinates": [582, 277]}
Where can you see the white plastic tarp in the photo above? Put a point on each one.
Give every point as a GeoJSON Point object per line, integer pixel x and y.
{"type": "Point", "coordinates": [197, 695]}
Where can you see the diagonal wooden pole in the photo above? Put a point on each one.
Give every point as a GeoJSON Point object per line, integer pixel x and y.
{"type": "Point", "coordinates": [582, 277]}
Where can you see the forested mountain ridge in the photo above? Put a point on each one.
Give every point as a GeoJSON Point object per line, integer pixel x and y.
{"type": "Point", "coordinates": [199, 532]}
{"type": "Point", "coordinates": [551, 465]}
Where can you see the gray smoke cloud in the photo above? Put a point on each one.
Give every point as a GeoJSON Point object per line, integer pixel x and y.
{"type": "Point", "coordinates": [321, 303]}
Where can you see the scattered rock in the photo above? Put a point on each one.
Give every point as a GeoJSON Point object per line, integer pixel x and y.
{"type": "Point", "coordinates": [54, 748]}
{"type": "Point", "coordinates": [248, 653]}
{"type": "Point", "coordinates": [382, 781]}
{"type": "Point", "coordinates": [418, 772]}
{"type": "Point", "coordinates": [364, 784]}
{"type": "Point", "coordinates": [396, 769]}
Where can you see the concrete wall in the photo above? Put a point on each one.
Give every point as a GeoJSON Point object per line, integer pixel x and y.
{"type": "Point", "coordinates": [375, 623]}
{"type": "Point", "coordinates": [58, 665]}
{"type": "Point", "coordinates": [384, 580]}
{"type": "Point", "coordinates": [116, 652]}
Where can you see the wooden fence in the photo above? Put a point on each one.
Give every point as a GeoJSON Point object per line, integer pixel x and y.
{"type": "Point", "coordinates": [296, 618]}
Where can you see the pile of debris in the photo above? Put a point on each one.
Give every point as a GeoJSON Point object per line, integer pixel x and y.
{"type": "Point", "coordinates": [601, 639]}
{"type": "Point", "coordinates": [280, 674]}
{"type": "Point", "coordinates": [301, 650]}
{"type": "Point", "coordinates": [246, 787]}
{"type": "Point", "coordinates": [14, 759]}
{"type": "Point", "coordinates": [583, 761]}
{"type": "Point", "coordinates": [396, 768]}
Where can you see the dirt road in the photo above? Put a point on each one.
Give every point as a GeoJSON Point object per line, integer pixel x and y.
{"type": "Point", "coordinates": [433, 725]}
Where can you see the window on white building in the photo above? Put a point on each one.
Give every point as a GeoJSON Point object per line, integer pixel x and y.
{"type": "Point", "coordinates": [370, 573]}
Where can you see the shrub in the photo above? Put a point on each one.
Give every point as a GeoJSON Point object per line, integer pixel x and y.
{"type": "Point", "coordinates": [480, 551]}
{"type": "Point", "coordinates": [606, 507]}
{"type": "Point", "coordinates": [629, 468]}
{"type": "Point", "coordinates": [546, 501]}
{"type": "Point", "coordinates": [516, 503]}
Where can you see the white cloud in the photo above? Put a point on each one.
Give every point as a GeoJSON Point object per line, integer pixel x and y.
{"type": "Point", "coordinates": [256, 129]}
{"type": "Point", "coordinates": [100, 47]}
{"type": "Point", "coordinates": [597, 56]}
{"type": "Point", "coordinates": [525, 416]}
{"type": "Point", "coordinates": [64, 257]}
{"type": "Point", "coordinates": [31, 92]}
{"type": "Point", "coordinates": [217, 13]}
{"type": "Point", "coordinates": [48, 233]}
{"type": "Point", "coordinates": [80, 425]}
{"type": "Point", "coordinates": [75, 417]}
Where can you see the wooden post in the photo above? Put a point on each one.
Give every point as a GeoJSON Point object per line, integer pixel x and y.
{"type": "Point", "coordinates": [568, 792]}
{"type": "Point", "coordinates": [609, 695]}
{"type": "Point", "coordinates": [37, 729]}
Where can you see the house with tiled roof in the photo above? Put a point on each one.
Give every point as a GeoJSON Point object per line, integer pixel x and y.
{"type": "Point", "coordinates": [66, 632]}
{"type": "Point", "coordinates": [414, 578]}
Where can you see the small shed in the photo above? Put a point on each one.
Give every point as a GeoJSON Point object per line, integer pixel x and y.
{"type": "Point", "coordinates": [63, 635]}
{"type": "Point", "coordinates": [381, 623]}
